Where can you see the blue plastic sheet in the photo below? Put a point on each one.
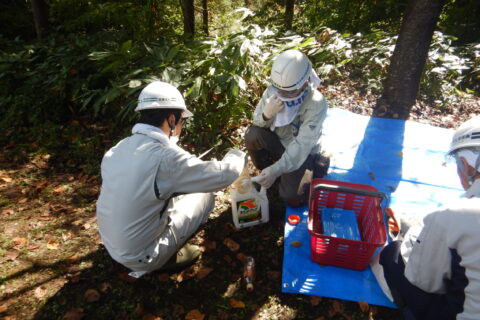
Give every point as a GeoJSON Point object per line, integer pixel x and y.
{"type": "Point", "coordinates": [403, 159]}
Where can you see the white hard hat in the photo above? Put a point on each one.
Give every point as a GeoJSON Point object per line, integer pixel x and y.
{"type": "Point", "coordinates": [467, 135]}
{"type": "Point", "coordinates": [290, 70]}
{"type": "Point", "coordinates": [162, 95]}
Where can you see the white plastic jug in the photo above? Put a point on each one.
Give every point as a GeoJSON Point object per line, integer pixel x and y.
{"type": "Point", "coordinates": [249, 205]}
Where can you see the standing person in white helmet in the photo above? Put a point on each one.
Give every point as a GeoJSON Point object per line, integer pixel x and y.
{"type": "Point", "coordinates": [434, 273]}
{"type": "Point", "coordinates": [154, 194]}
{"type": "Point", "coordinates": [284, 141]}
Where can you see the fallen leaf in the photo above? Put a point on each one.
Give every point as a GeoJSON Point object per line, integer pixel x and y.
{"type": "Point", "coordinates": [53, 245]}
{"type": "Point", "coordinates": [33, 246]}
{"type": "Point", "coordinates": [371, 175]}
{"type": "Point", "coordinates": [23, 200]}
{"type": "Point", "coordinates": [203, 272]}
{"type": "Point", "coordinates": [194, 314]}
{"type": "Point", "coordinates": [5, 178]}
{"type": "Point", "coordinates": [315, 301]}
{"type": "Point", "coordinates": [67, 236]}
{"type": "Point", "coordinates": [125, 277]}
{"type": "Point", "coordinates": [12, 254]}
{"type": "Point", "coordinates": [336, 308]}
{"type": "Point", "coordinates": [57, 208]}
{"type": "Point", "coordinates": [231, 289]}
{"type": "Point", "coordinates": [59, 189]}
{"type": "Point", "coordinates": [91, 295]}
{"type": "Point", "coordinates": [3, 308]}
{"type": "Point", "coordinates": [295, 243]}
{"type": "Point", "coordinates": [363, 306]}
{"type": "Point", "coordinates": [41, 184]}
{"type": "Point", "coordinates": [19, 241]}
{"type": "Point", "coordinates": [210, 245]}
{"type": "Point", "coordinates": [241, 257]}
{"type": "Point", "coordinates": [234, 303]}
{"type": "Point", "coordinates": [231, 244]}
{"type": "Point", "coordinates": [40, 292]}
{"type": "Point", "coordinates": [8, 211]}
{"type": "Point", "coordinates": [74, 314]}
{"type": "Point", "coordinates": [186, 274]}
{"type": "Point", "coordinates": [228, 259]}
{"type": "Point", "coordinates": [105, 286]}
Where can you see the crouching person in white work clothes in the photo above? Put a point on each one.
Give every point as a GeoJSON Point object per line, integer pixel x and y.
{"type": "Point", "coordinates": [434, 273]}
{"type": "Point", "coordinates": [284, 141]}
{"type": "Point", "coordinates": [154, 194]}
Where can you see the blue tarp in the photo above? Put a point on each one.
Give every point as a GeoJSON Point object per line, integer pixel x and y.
{"type": "Point", "coordinates": [405, 160]}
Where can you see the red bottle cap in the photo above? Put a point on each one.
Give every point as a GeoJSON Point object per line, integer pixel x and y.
{"type": "Point", "coordinates": [293, 219]}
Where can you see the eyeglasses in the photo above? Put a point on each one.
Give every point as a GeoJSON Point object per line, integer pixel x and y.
{"type": "Point", "coordinates": [291, 94]}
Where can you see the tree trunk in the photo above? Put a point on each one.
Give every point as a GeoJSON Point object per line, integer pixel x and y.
{"type": "Point", "coordinates": [205, 16]}
{"type": "Point", "coordinates": [289, 5]}
{"type": "Point", "coordinates": [188, 18]}
{"type": "Point", "coordinates": [408, 59]}
{"type": "Point", "coordinates": [40, 17]}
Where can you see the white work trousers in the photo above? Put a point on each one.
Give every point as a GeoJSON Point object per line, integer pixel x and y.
{"type": "Point", "coordinates": [187, 214]}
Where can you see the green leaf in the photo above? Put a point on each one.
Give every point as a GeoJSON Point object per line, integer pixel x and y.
{"type": "Point", "coordinates": [194, 91]}
{"type": "Point", "coordinates": [172, 52]}
{"type": "Point", "coordinates": [306, 42]}
{"type": "Point", "coordinates": [126, 46]}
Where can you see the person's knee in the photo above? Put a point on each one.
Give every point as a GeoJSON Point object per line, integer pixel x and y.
{"type": "Point", "coordinates": [251, 137]}
{"type": "Point", "coordinates": [293, 199]}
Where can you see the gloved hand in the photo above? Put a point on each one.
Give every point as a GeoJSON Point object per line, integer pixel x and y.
{"type": "Point", "coordinates": [236, 157]}
{"type": "Point", "coordinates": [273, 105]}
{"type": "Point", "coordinates": [266, 178]}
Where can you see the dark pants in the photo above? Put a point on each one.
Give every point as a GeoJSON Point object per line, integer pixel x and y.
{"type": "Point", "coordinates": [264, 148]}
{"type": "Point", "coordinates": [414, 302]}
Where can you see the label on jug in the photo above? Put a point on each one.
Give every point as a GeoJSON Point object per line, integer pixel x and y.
{"type": "Point", "coordinates": [248, 210]}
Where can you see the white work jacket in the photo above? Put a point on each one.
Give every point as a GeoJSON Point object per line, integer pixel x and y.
{"type": "Point", "coordinates": [138, 175]}
{"type": "Point", "coordinates": [445, 258]}
{"type": "Point", "coordinates": [302, 136]}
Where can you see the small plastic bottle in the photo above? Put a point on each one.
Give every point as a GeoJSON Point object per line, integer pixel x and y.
{"type": "Point", "coordinates": [249, 272]}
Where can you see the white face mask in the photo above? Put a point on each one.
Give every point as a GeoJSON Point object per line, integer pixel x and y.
{"type": "Point", "coordinates": [290, 111]}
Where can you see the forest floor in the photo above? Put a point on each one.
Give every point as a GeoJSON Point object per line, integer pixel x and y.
{"type": "Point", "coordinates": [54, 266]}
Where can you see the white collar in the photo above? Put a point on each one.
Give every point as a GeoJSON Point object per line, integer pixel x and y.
{"type": "Point", "coordinates": [152, 132]}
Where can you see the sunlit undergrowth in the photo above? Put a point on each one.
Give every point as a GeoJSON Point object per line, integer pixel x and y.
{"type": "Point", "coordinates": [81, 79]}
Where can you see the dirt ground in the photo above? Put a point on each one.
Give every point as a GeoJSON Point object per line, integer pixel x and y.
{"type": "Point", "coordinates": [54, 266]}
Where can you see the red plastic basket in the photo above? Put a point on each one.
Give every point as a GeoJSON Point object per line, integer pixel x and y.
{"type": "Point", "coordinates": [365, 201]}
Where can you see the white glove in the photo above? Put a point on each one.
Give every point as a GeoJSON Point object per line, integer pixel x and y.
{"type": "Point", "coordinates": [273, 105]}
{"type": "Point", "coordinates": [236, 158]}
{"type": "Point", "coordinates": [266, 178]}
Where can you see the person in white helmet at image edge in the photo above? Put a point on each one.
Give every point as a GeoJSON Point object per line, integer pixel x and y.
{"type": "Point", "coordinates": [285, 138]}
{"type": "Point", "coordinates": [155, 195]}
{"type": "Point", "coordinates": [434, 272]}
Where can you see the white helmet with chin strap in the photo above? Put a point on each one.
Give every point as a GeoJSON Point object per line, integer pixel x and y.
{"type": "Point", "coordinates": [162, 95]}
{"type": "Point", "coordinates": [290, 70]}
{"type": "Point", "coordinates": [466, 143]}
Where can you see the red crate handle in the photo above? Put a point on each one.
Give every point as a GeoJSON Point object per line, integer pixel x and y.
{"type": "Point", "coordinates": [344, 189]}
